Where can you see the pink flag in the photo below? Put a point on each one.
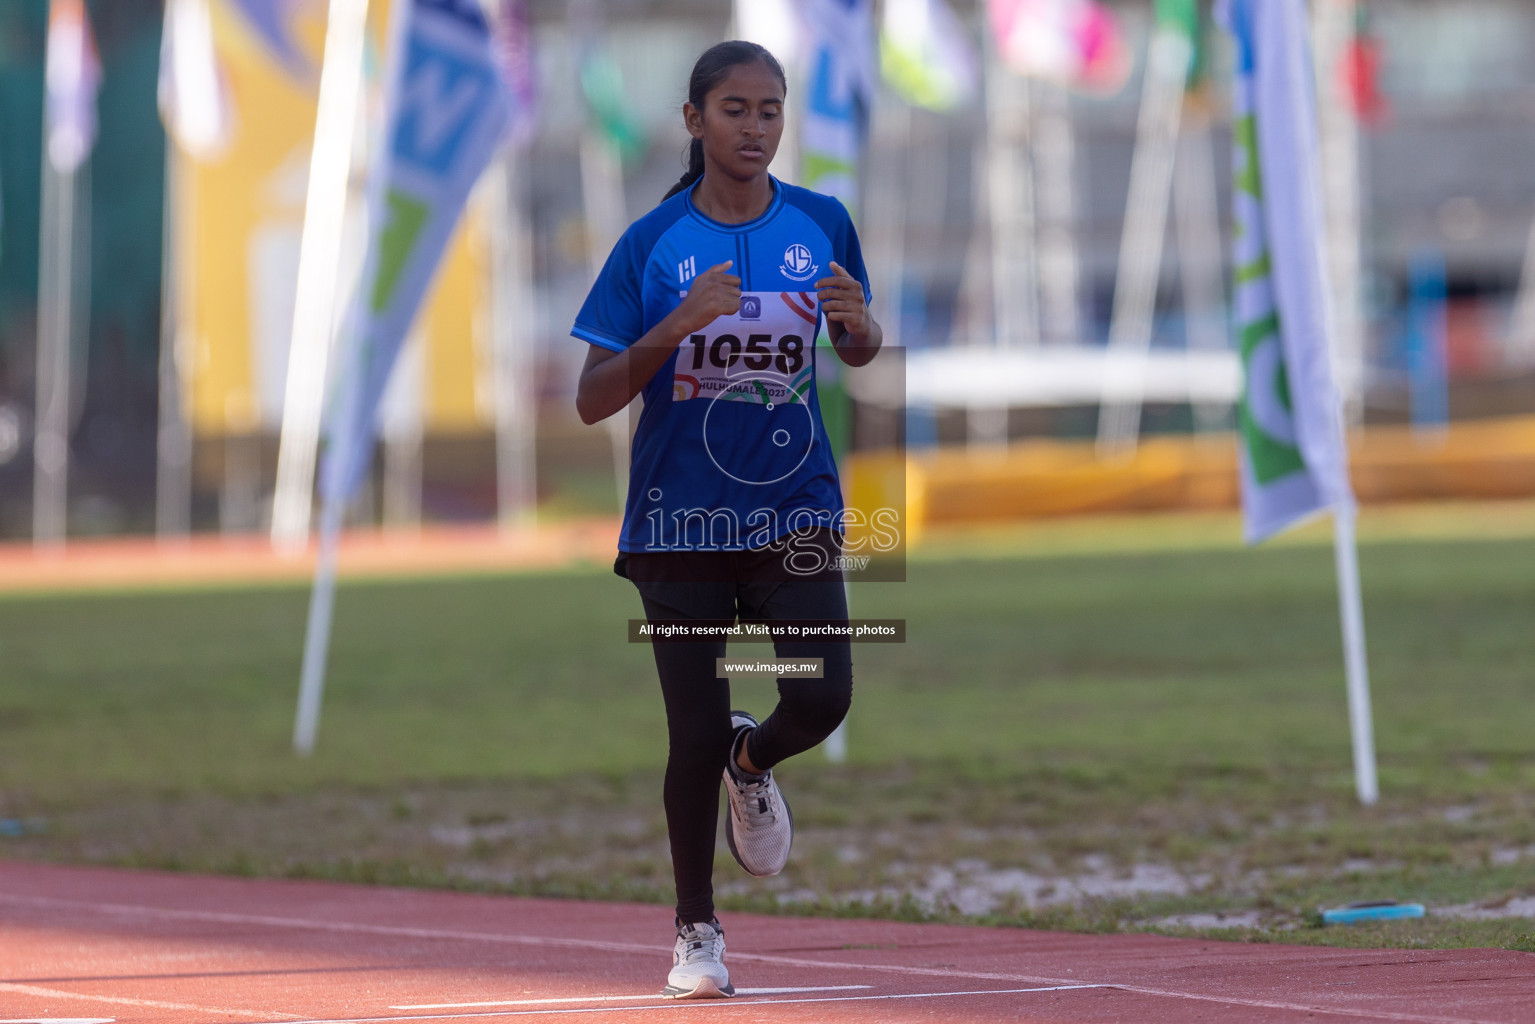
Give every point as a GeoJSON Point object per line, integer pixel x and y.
{"type": "Point", "coordinates": [1073, 42]}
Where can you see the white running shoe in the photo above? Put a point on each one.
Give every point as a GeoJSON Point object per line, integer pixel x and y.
{"type": "Point", "coordinates": [698, 964]}
{"type": "Point", "coordinates": [760, 826]}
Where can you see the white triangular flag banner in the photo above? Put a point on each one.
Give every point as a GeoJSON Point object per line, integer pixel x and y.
{"type": "Point", "coordinates": [447, 112]}
{"type": "Point", "coordinates": [194, 101]}
{"type": "Point", "coordinates": [1293, 460]}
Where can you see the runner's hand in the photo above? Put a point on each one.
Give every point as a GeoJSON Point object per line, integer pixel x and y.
{"type": "Point", "coordinates": [842, 301]}
{"type": "Point", "coordinates": [714, 293]}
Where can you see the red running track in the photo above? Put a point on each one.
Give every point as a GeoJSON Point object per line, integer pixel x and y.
{"type": "Point", "coordinates": [98, 945]}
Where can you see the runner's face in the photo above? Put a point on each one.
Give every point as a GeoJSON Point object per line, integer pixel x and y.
{"type": "Point", "coordinates": [741, 122]}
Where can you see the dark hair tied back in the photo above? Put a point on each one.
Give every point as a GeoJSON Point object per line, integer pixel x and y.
{"type": "Point", "coordinates": [709, 71]}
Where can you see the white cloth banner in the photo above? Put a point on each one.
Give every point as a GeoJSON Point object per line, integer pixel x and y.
{"type": "Point", "coordinates": [192, 95]}
{"type": "Point", "coordinates": [843, 73]}
{"type": "Point", "coordinates": [447, 110]}
{"type": "Point", "coordinates": [1293, 460]}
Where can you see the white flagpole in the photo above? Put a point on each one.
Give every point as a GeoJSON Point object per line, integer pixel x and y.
{"type": "Point", "coordinates": [173, 449]}
{"type": "Point", "coordinates": [330, 167]}
{"type": "Point", "coordinates": [1197, 222]}
{"type": "Point", "coordinates": [314, 312]}
{"type": "Point", "coordinates": [1338, 139]}
{"type": "Point", "coordinates": [50, 445]}
{"type": "Point", "coordinates": [511, 363]}
{"type": "Point", "coordinates": [1355, 666]}
{"type": "Point", "coordinates": [322, 601]}
{"type": "Point", "coordinates": [602, 188]}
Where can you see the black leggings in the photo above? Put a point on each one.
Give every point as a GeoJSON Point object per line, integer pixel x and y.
{"type": "Point", "coordinates": [722, 586]}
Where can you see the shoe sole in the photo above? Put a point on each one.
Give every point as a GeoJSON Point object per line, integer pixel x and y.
{"type": "Point", "coordinates": [706, 989]}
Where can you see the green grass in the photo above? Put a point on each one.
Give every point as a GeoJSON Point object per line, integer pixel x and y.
{"type": "Point", "coordinates": [1070, 716]}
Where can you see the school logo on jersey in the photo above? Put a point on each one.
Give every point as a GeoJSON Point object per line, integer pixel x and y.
{"type": "Point", "coordinates": [798, 264]}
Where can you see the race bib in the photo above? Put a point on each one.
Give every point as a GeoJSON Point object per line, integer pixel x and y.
{"type": "Point", "coordinates": [760, 355]}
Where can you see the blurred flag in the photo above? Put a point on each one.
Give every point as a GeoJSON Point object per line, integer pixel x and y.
{"type": "Point", "coordinates": [1182, 17]}
{"type": "Point", "coordinates": [514, 48]}
{"type": "Point", "coordinates": [842, 77]}
{"type": "Point", "coordinates": [275, 23]}
{"type": "Point", "coordinates": [194, 102]}
{"type": "Point", "coordinates": [447, 111]}
{"type": "Point", "coordinates": [925, 55]}
{"type": "Point", "coordinates": [1073, 42]}
{"type": "Point", "coordinates": [607, 102]}
{"type": "Point", "coordinates": [1292, 456]}
{"type": "Point", "coordinates": [74, 77]}
{"type": "Point", "coordinates": [774, 24]}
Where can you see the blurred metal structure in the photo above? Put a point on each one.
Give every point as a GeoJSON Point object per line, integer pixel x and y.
{"type": "Point", "coordinates": [1006, 181]}
{"type": "Point", "coordinates": [1060, 314]}
{"type": "Point", "coordinates": [1332, 29]}
{"type": "Point", "coordinates": [1140, 254]}
{"type": "Point", "coordinates": [1196, 219]}
{"type": "Point", "coordinates": [1011, 201]}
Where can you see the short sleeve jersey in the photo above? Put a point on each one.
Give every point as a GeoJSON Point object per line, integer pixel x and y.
{"type": "Point", "coordinates": [730, 451]}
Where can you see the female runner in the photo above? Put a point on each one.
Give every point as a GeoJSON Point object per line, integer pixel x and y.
{"type": "Point", "coordinates": [709, 306]}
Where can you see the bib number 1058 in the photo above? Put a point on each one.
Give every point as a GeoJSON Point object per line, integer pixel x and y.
{"type": "Point", "coordinates": [760, 352]}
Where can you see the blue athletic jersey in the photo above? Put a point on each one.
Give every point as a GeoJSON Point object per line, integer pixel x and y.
{"type": "Point", "coordinates": [730, 451]}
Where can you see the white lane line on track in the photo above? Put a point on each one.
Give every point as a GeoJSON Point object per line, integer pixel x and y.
{"type": "Point", "coordinates": [693, 1004]}
{"type": "Point", "coordinates": [607, 999]}
{"type": "Point", "coordinates": [1309, 1008]}
{"type": "Point", "coordinates": [59, 993]}
{"type": "Point", "coordinates": [398, 931]}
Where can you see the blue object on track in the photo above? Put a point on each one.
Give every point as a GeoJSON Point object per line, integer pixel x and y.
{"type": "Point", "coordinates": [1372, 910]}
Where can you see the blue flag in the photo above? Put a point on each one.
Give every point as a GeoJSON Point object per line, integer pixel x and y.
{"type": "Point", "coordinates": [843, 71]}
{"type": "Point", "coordinates": [447, 111]}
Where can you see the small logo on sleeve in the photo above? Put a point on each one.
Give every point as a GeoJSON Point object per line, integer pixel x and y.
{"type": "Point", "coordinates": [686, 270]}
{"type": "Point", "coordinates": [798, 263]}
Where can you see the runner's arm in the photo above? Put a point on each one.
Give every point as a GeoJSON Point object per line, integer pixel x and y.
{"type": "Point", "coordinates": [610, 380]}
